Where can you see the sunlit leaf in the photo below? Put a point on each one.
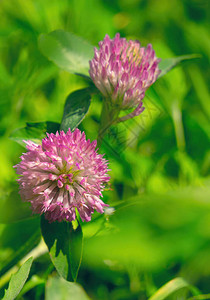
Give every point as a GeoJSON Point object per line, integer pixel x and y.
{"type": "Point", "coordinates": [17, 280]}
{"type": "Point", "coordinates": [34, 132]}
{"type": "Point", "coordinates": [169, 288]}
{"type": "Point", "coordinates": [67, 51]}
{"type": "Point", "coordinates": [169, 63]}
{"type": "Point", "coordinates": [66, 290]}
{"type": "Point", "coordinates": [65, 247]}
{"type": "Point", "coordinates": [76, 107]}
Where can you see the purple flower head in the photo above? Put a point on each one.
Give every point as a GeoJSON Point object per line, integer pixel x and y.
{"type": "Point", "coordinates": [63, 173]}
{"type": "Point", "coordinates": [122, 70]}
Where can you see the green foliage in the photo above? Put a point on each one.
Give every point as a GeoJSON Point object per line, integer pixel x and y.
{"type": "Point", "coordinates": [17, 240]}
{"type": "Point", "coordinates": [67, 50]}
{"type": "Point", "coordinates": [159, 161]}
{"type": "Point", "coordinates": [65, 247]}
{"type": "Point", "coordinates": [76, 107]}
{"type": "Point", "coordinates": [169, 63]}
{"type": "Point", "coordinates": [17, 280]}
{"type": "Point", "coordinates": [9, 200]}
{"type": "Point", "coordinates": [147, 227]}
{"type": "Point", "coordinates": [169, 288]}
{"type": "Point", "coordinates": [34, 132]}
{"type": "Point", "coordinates": [66, 290]}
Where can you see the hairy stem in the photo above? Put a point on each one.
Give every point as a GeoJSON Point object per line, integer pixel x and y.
{"type": "Point", "coordinates": [109, 115]}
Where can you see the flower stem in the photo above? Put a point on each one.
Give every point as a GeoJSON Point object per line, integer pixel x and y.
{"type": "Point", "coordinates": [178, 125]}
{"type": "Point", "coordinates": [109, 115]}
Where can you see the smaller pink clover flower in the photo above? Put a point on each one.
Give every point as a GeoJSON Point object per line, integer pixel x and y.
{"type": "Point", "coordinates": [123, 70]}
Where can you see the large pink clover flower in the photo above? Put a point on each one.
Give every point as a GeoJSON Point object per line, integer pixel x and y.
{"type": "Point", "coordinates": [123, 70]}
{"type": "Point", "coordinates": [62, 174]}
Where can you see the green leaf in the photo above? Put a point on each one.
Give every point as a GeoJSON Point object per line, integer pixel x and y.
{"type": "Point", "coordinates": [65, 247]}
{"type": "Point", "coordinates": [66, 290]}
{"type": "Point", "coordinates": [169, 288]}
{"type": "Point", "coordinates": [67, 51]}
{"type": "Point", "coordinates": [169, 63]}
{"type": "Point", "coordinates": [30, 284]}
{"type": "Point", "coordinates": [34, 132]}
{"type": "Point", "coordinates": [17, 281]}
{"type": "Point", "coordinates": [76, 107]}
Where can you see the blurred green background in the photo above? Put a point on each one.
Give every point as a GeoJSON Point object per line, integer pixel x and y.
{"type": "Point", "coordinates": [159, 161]}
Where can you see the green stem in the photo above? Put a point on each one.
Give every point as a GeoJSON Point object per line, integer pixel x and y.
{"type": "Point", "coordinates": [109, 115]}
{"type": "Point", "coordinates": [178, 126]}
